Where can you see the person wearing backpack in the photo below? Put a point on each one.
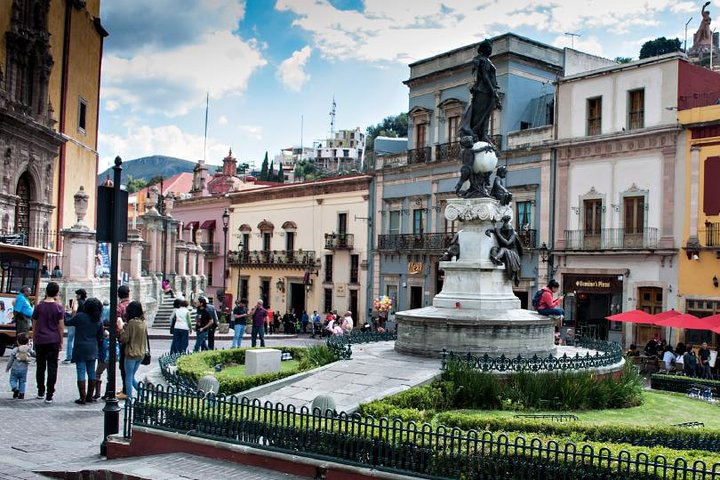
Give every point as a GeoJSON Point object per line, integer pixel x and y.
{"type": "Point", "coordinates": [546, 304]}
{"type": "Point", "coordinates": [18, 365]}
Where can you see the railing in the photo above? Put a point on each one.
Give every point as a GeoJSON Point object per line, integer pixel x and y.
{"type": "Point", "coordinates": [447, 151]}
{"type": "Point", "coordinates": [418, 155]}
{"type": "Point", "coordinates": [711, 234]}
{"type": "Point", "coordinates": [339, 241]}
{"type": "Point", "coordinates": [211, 248]}
{"type": "Point", "coordinates": [29, 237]}
{"type": "Point", "coordinates": [437, 242]}
{"type": "Point", "coordinates": [423, 451]}
{"type": "Point", "coordinates": [341, 345]}
{"type": "Point", "coordinates": [612, 239]}
{"type": "Point", "coordinates": [273, 258]}
{"type": "Point", "coordinates": [606, 354]}
{"type": "Point", "coordinates": [528, 238]}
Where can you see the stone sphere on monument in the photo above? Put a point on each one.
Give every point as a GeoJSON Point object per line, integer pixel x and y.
{"type": "Point", "coordinates": [485, 158]}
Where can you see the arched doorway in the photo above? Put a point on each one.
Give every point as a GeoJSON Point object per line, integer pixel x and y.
{"type": "Point", "coordinates": [22, 208]}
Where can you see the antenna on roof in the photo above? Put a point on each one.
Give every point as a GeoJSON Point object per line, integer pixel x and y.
{"type": "Point", "coordinates": [207, 107]}
{"type": "Point", "coordinates": [572, 38]}
{"type": "Point", "coordinates": [332, 118]}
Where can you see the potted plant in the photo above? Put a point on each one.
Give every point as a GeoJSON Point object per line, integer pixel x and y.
{"type": "Point", "coordinates": [223, 325]}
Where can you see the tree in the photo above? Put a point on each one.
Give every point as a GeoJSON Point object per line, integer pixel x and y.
{"type": "Point", "coordinates": [264, 168]}
{"type": "Point", "coordinates": [270, 176]}
{"type": "Point", "coordinates": [135, 184]}
{"type": "Point", "coordinates": [623, 59]}
{"type": "Point", "coordinates": [392, 126]}
{"type": "Point", "coordinates": [242, 169]}
{"type": "Point", "coordinates": [280, 174]}
{"type": "Point", "coordinates": [659, 46]}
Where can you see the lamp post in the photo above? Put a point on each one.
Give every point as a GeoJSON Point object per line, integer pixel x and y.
{"type": "Point", "coordinates": [225, 222]}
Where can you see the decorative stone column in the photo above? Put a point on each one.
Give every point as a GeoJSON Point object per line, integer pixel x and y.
{"type": "Point", "coordinates": [132, 255]}
{"type": "Point", "coordinates": [79, 245]}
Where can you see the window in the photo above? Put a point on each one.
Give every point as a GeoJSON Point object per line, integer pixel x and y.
{"type": "Point", "coordinates": [346, 152]}
{"type": "Point", "coordinates": [354, 268]}
{"type": "Point", "coordinates": [524, 125]}
{"type": "Point", "coordinates": [650, 300]}
{"type": "Point", "coordinates": [82, 115]}
{"type": "Point", "coordinates": [711, 194]}
{"type": "Point", "coordinates": [328, 268]}
{"type": "Point", "coordinates": [419, 220]}
{"type": "Point", "coordinates": [594, 116]}
{"type": "Point", "coordinates": [593, 216]}
{"type": "Point", "coordinates": [342, 223]}
{"type": "Point", "coordinates": [210, 273]}
{"type": "Point", "coordinates": [636, 109]}
{"type": "Point", "coordinates": [634, 208]}
{"type": "Point", "coordinates": [266, 241]}
{"type": "Point", "coordinates": [245, 242]}
{"type": "Point", "coordinates": [453, 124]}
{"type": "Point", "coordinates": [244, 288]}
{"type": "Point", "coordinates": [353, 306]}
{"type": "Point", "coordinates": [420, 135]}
{"type": "Point", "coordinates": [394, 223]}
{"type": "Point", "coordinates": [327, 300]}
{"type": "Point", "coordinates": [289, 241]}
{"type": "Point", "coordinates": [523, 215]}
{"type": "Point", "coordinates": [392, 292]}
{"type": "Point", "coordinates": [265, 292]}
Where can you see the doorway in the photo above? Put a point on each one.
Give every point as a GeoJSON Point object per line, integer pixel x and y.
{"type": "Point", "coordinates": [297, 298]}
{"type": "Point", "coordinates": [415, 297]}
{"type": "Point", "coordinates": [592, 308]}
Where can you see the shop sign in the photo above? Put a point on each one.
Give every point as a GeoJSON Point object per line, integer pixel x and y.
{"type": "Point", "coordinates": [415, 267]}
{"type": "Point", "coordinates": [592, 283]}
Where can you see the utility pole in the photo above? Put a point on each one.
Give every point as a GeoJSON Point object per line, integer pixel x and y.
{"type": "Point", "coordinates": [572, 38]}
{"type": "Point", "coordinates": [686, 25]}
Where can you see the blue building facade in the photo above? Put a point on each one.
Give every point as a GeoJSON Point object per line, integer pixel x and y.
{"type": "Point", "coordinates": [411, 188]}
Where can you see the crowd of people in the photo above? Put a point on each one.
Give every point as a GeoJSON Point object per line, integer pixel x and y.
{"type": "Point", "coordinates": [683, 357]}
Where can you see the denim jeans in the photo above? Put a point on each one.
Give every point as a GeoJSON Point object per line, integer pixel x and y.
{"type": "Point", "coordinates": [201, 341]}
{"type": "Point", "coordinates": [180, 341]}
{"type": "Point", "coordinates": [131, 368]}
{"type": "Point", "coordinates": [552, 311]}
{"type": "Point", "coordinates": [69, 344]}
{"type": "Point", "coordinates": [258, 331]}
{"type": "Point", "coordinates": [85, 368]}
{"type": "Point", "coordinates": [46, 359]}
{"type": "Point", "coordinates": [237, 338]}
{"type": "Point", "coordinates": [18, 376]}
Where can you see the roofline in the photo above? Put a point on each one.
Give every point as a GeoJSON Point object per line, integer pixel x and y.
{"type": "Point", "coordinates": [668, 57]}
{"type": "Point", "coordinates": [302, 185]}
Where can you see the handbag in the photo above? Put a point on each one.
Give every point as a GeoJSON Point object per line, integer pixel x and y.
{"type": "Point", "coordinates": [147, 358]}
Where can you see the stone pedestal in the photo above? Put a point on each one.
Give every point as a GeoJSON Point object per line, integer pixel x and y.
{"type": "Point", "coordinates": [476, 311]}
{"type": "Point", "coordinates": [78, 261]}
{"type": "Point", "coordinates": [132, 255]}
{"type": "Point", "coordinates": [262, 361]}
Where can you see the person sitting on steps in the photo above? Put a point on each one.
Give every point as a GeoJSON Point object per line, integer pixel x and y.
{"type": "Point", "coordinates": [548, 305]}
{"type": "Point", "coordinates": [166, 288]}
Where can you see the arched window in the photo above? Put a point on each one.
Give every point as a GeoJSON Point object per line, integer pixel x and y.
{"type": "Point", "coordinates": [22, 208]}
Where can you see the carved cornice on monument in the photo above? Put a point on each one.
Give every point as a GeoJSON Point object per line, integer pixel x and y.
{"type": "Point", "coordinates": [476, 209]}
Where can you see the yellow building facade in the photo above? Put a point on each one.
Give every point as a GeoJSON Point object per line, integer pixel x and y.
{"type": "Point", "coordinates": [50, 65]}
{"type": "Point", "coordinates": [699, 269]}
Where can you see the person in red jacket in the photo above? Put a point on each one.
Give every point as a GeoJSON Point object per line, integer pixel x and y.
{"type": "Point", "coordinates": [548, 305]}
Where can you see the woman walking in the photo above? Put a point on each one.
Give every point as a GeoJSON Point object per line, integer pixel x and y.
{"type": "Point", "coordinates": [88, 335]}
{"type": "Point", "coordinates": [181, 325]}
{"type": "Point", "coordinates": [135, 338]}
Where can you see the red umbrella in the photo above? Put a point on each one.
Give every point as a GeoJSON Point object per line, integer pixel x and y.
{"type": "Point", "coordinates": [665, 315]}
{"type": "Point", "coordinates": [633, 316]}
{"type": "Point", "coordinates": [685, 320]}
{"type": "Point", "coordinates": [713, 321]}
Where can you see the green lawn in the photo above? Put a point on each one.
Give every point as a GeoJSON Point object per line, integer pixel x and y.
{"type": "Point", "coordinates": [239, 370]}
{"type": "Point", "coordinates": [661, 408]}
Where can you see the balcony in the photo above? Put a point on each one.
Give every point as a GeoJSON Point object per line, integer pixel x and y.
{"type": "Point", "coordinates": [415, 242]}
{"type": "Point", "coordinates": [339, 241]}
{"type": "Point", "coordinates": [211, 249]}
{"type": "Point", "coordinates": [418, 155]}
{"type": "Point", "coordinates": [528, 238]}
{"type": "Point", "coordinates": [293, 259]}
{"type": "Point", "coordinates": [612, 239]}
{"type": "Point", "coordinates": [448, 151]}
{"type": "Point", "coordinates": [710, 236]}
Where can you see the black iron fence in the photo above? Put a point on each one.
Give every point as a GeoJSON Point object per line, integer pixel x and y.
{"type": "Point", "coordinates": [339, 241]}
{"type": "Point", "coordinates": [419, 155]}
{"type": "Point", "coordinates": [212, 249]}
{"type": "Point", "coordinates": [274, 258]}
{"type": "Point", "coordinates": [448, 151]}
{"type": "Point", "coordinates": [606, 354]}
{"type": "Point", "coordinates": [424, 451]}
{"type": "Point", "coordinates": [711, 234]}
{"type": "Point", "coordinates": [437, 242]}
{"type": "Point", "coordinates": [612, 239]}
{"type": "Point", "coordinates": [528, 238]}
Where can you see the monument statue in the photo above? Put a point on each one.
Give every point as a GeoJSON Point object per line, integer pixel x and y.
{"type": "Point", "coordinates": [508, 250]}
{"type": "Point", "coordinates": [499, 192]}
{"type": "Point", "coordinates": [453, 250]}
{"type": "Point", "coordinates": [703, 36]}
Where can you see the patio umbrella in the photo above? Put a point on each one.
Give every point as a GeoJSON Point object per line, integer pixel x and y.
{"type": "Point", "coordinates": [665, 315]}
{"type": "Point", "coordinates": [633, 316]}
{"type": "Point", "coordinates": [685, 320]}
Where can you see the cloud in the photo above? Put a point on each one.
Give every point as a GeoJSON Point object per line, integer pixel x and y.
{"type": "Point", "coordinates": [291, 71]}
{"type": "Point", "coordinates": [589, 45]}
{"type": "Point", "coordinates": [136, 25]}
{"type": "Point", "coordinates": [172, 82]}
{"type": "Point", "coordinates": [252, 131]}
{"type": "Point", "coordinates": [222, 120]}
{"type": "Point", "coordinates": [407, 30]}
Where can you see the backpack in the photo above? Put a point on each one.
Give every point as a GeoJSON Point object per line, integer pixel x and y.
{"type": "Point", "coordinates": [22, 354]}
{"type": "Point", "coordinates": [536, 298]}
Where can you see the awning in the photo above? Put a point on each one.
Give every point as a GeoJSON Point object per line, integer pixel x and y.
{"type": "Point", "coordinates": [665, 315]}
{"type": "Point", "coordinates": [633, 316]}
{"type": "Point", "coordinates": [685, 320]}
{"type": "Point", "coordinates": [208, 225]}
{"type": "Point", "coordinates": [191, 225]}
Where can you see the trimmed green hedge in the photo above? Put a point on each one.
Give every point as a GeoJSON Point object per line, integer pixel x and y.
{"type": "Point", "coordinates": [199, 364]}
{"type": "Point", "coordinates": [678, 383]}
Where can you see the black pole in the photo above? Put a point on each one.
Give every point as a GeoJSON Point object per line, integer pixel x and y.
{"type": "Point", "coordinates": [112, 408]}
{"type": "Point", "coordinates": [225, 248]}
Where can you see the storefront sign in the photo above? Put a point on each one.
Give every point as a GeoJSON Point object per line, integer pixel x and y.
{"type": "Point", "coordinates": [415, 268]}
{"type": "Point", "coordinates": [592, 284]}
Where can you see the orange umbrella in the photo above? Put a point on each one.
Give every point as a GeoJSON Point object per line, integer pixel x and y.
{"type": "Point", "coordinates": [633, 316]}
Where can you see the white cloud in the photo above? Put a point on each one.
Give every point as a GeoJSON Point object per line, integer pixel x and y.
{"type": "Point", "coordinates": [252, 131]}
{"type": "Point", "coordinates": [291, 71]}
{"type": "Point", "coordinates": [174, 81]}
{"type": "Point", "coordinates": [222, 120]}
{"type": "Point", "coordinates": [111, 105]}
{"type": "Point", "coordinates": [589, 45]}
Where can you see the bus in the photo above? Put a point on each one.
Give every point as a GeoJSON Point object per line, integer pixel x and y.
{"type": "Point", "coordinates": [19, 265]}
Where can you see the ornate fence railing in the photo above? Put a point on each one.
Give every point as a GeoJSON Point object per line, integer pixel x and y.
{"type": "Point", "coordinates": [606, 354]}
{"type": "Point", "coordinates": [423, 451]}
{"type": "Point", "coordinates": [296, 259]}
{"type": "Point", "coordinates": [437, 242]}
{"type": "Point", "coordinates": [342, 345]}
{"type": "Point", "coordinates": [612, 239]}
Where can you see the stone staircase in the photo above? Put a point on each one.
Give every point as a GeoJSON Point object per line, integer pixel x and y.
{"type": "Point", "coordinates": [165, 309]}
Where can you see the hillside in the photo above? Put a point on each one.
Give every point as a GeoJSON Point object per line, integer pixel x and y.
{"type": "Point", "coordinates": [148, 167]}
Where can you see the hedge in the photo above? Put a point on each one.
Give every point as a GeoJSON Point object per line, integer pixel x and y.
{"type": "Point", "coordinates": [678, 383]}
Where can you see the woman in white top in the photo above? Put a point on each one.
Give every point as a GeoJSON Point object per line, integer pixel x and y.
{"type": "Point", "coordinates": [347, 323]}
{"type": "Point", "coordinates": [668, 358]}
{"type": "Point", "coordinates": [180, 324]}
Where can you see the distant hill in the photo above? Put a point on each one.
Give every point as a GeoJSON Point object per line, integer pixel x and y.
{"type": "Point", "coordinates": [149, 167]}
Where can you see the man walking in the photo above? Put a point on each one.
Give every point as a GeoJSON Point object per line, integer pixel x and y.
{"type": "Point", "coordinates": [239, 320]}
{"type": "Point", "coordinates": [259, 315]}
{"type": "Point", "coordinates": [213, 326]}
{"type": "Point", "coordinates": [120, 312]}
{"type": "Point", "coordinates": [203, 322]}
{"type": "Point", "coordinates": [48, 339]}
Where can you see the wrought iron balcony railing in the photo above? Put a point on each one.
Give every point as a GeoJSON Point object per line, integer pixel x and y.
{"type": "Point", "coordinates": [419, 155]}
{"type": "Point", "coordinates": [211, 249]}
{"type": "Point", "coordinates": [298, 259]}
{"type": "Point", "coordinates": [339, 241]}
{"type": "Point", "coordinates": [426, 242]}
{"type": "Point", "coordinates": [710, 236]}
{"type": "Point", "coordinates": [612, 239]}
{"type": "Point", "coordinates": [528, 238]}
{"type": "Point", "coordinates": [448, 151]}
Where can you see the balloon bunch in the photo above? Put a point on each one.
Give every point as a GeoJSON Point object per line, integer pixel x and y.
{"type": "Point", "coordinates": [382, 304]}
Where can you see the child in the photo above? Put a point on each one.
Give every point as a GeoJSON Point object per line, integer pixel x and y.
{"type": "Point", "coordinates": [18, 365]}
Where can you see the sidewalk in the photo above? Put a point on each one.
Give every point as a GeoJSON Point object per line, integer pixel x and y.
{"type": "Point", "coordinates": [164, 334]}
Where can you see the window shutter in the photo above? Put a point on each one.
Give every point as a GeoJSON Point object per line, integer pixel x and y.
{"type": "Point", "coordinates": [711, 192]}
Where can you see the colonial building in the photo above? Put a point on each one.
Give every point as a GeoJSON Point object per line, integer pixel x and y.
{"type": "Point", "coordinates": [343, 152]}
{"type": "Point", "coordinates": [412, 187]}
{"type": "Point", "coordinates": [619, 189]}
{"type": "Point", "coordinates": [302, 246]}
{"type": "Point", "coordinates": [698, 285]}
{"type": "Point", "coordinates": [50, 57]}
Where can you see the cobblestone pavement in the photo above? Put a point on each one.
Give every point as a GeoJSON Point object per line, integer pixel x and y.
{"type": "Point", "coordinates": [35, 436]}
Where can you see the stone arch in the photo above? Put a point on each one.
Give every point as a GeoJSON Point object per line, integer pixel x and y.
{"type": "Point", "coordinates": [289, 226]}
{"type": "Point", "coordinates": [266, 226]}
{"type": "Point", "coordinates": [245, 228]}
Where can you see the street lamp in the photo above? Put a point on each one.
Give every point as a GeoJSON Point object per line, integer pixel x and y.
{"type": "Point", "coordinates": [225, 222]}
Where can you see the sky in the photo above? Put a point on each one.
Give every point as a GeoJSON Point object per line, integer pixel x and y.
{"type": "Point", "coordinates": [271, 68]}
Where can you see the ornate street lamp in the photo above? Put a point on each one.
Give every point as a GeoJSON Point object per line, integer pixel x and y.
{"type": "Point", "coordinates": [225, 222]}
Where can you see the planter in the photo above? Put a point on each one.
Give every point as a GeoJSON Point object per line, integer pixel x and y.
{"type": "Point", "coordinates": [223, 328]}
